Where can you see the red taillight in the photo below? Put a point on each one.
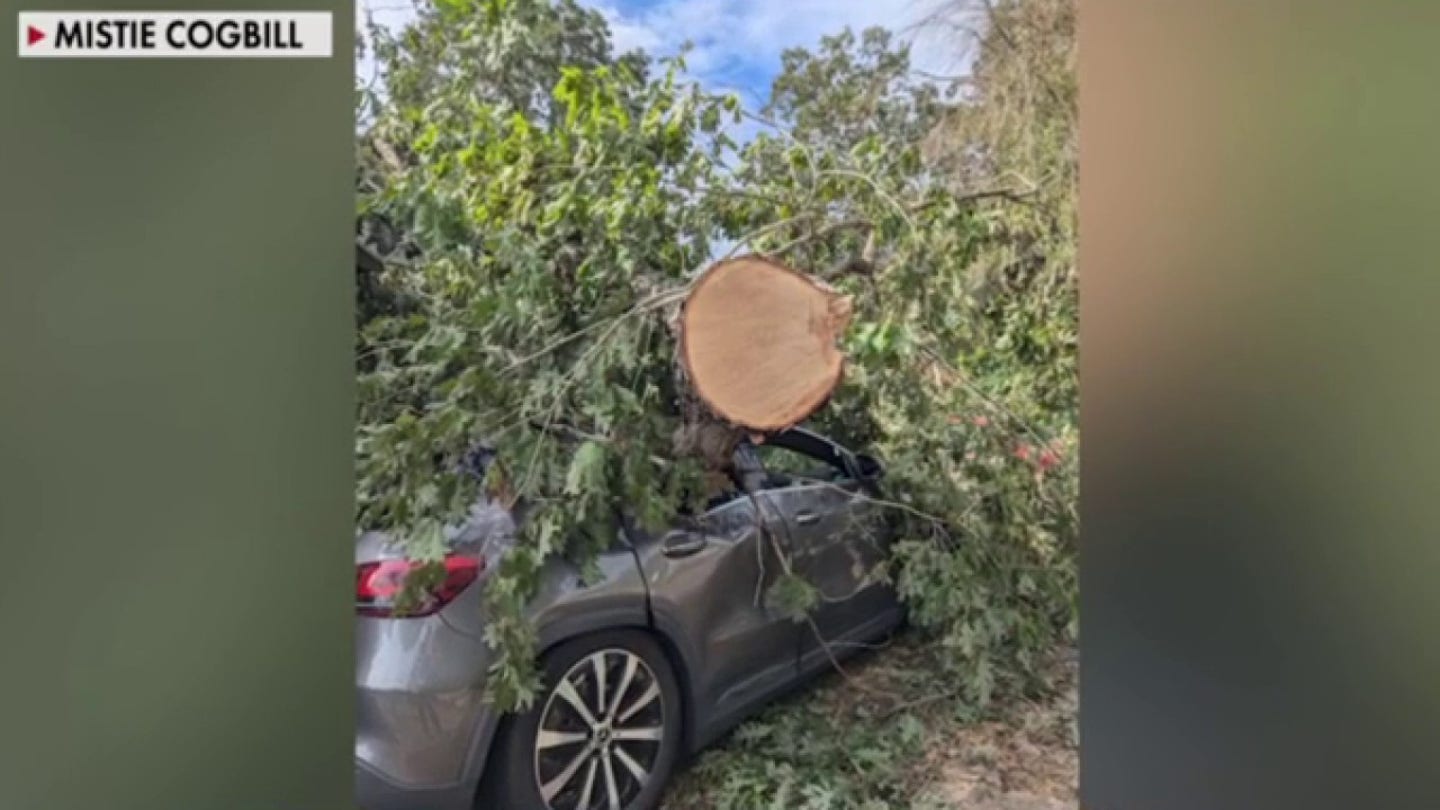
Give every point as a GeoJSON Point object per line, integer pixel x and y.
{"type": "Point", "coordinates": [378, 585]}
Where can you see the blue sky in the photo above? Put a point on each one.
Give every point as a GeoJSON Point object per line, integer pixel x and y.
{"type": "Point", "coordinates": [738, 42]}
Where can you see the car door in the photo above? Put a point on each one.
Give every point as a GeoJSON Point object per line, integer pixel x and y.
{"type": "Point", "coordinates": [710, 579]}
{"type": "Point", "coordinates": [837, 537]}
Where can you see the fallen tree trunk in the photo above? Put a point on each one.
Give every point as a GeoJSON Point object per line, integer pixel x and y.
{"type": "Point", "coordinates": [758, 350]}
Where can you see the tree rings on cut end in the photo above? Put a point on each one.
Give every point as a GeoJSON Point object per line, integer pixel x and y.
{"type": "Point", "coordinates": [758, 342]}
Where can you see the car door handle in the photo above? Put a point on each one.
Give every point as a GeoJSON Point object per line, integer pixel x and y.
{"type": "Point", "coordinates": [682, 544]}
{"type": "Point", "coordinates": [807, 518]}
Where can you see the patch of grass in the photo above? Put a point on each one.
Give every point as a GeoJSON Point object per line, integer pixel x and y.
{"type": "Point", "coordinates": [885, 735]}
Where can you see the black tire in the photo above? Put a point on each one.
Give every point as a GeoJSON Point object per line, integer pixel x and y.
{"type": "Point", "coordinates": [516, 769]}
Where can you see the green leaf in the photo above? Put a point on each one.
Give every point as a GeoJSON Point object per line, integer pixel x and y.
{"type": "Point", "coordinates": [587, 469]}
{"type": "Point", "coordinates": [710, 120]}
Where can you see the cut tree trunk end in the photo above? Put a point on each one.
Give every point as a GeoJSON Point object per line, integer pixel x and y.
{"type": "Point", "coordinates": [758, 342]}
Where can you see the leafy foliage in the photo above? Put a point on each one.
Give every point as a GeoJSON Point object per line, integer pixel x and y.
{"type": "Point", "coordinates": [781, 763]}
{"type": "Point", "coordinates": [1008, 591]}
{"type": "Point", "coordinates": [555, 199]}
{"type": "Point", "coordinates": [888, 734]}
{"type": "Point", "coordinates": [547, 229]}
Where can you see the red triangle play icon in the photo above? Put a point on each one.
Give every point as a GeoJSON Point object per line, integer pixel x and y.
{"type": "Point", "coordinates": [33, 35]}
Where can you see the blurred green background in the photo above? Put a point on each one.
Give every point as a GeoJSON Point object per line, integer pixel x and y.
{"type": "Point", "coordinates": [1260, 498]}
{"type": "Point", "coordinates": [175, 430]}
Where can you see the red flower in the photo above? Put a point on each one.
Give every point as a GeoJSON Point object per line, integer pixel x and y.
{"type": "Point", "coordinates": [1023, 452]}
{"type": "Point", "coordinates": [981, 421]}
{"type": "Point", "coordinates": [1048, 460]}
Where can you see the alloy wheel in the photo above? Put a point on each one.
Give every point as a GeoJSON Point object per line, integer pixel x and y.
{"type": "Point", "coordinates": [600, 733]}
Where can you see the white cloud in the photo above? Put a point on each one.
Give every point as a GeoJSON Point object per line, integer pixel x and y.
{"type": "Point", "coordinates": [737, 43]}
{"type": "Point", "coordinates": [740, 40]}
{"type": "Point", "coordinates": [629, 35]}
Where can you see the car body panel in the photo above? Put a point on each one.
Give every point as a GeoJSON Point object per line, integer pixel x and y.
{"type": "Point", "coordinates": [423, 728]}
{"type": "Point", "coordinates": [838, 553]}
{"type": "Point", "coordinates": [739, 648]}
{"type": "Point", "coordinates": [375, 791]}
{"type": "Point", "coordinates": [837, 536]}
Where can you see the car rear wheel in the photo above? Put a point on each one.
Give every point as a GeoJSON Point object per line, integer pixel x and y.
{"type": "Point", "coordinates": [603, 736]}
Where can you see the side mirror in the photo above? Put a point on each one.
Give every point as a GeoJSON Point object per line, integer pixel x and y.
{"type": "Point", "coordinates": [869, 468]}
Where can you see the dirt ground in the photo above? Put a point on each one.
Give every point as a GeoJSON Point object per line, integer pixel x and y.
{"type": "Point", "coordinates": [1029, 761]}
{"type": "Point", "coordinates": [1027, 758]}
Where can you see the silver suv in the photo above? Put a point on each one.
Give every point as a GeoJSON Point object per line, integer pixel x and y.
{"type": "Point", "coordinates": [679, 640]}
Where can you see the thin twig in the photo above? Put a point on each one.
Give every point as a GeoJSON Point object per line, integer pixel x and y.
{"type": "Point", "coordinates": [918, 702]}
{"type": "Point", "coordinates": [653, 302]}
{"type": "Point", "coordinates": [878, 190]}
{"type": "Point", "coordinates": [746, 239]}
{"type": "Point", "coordinates": [565, 382]}
{"type": "Point", "coordinates": [809, 156]}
